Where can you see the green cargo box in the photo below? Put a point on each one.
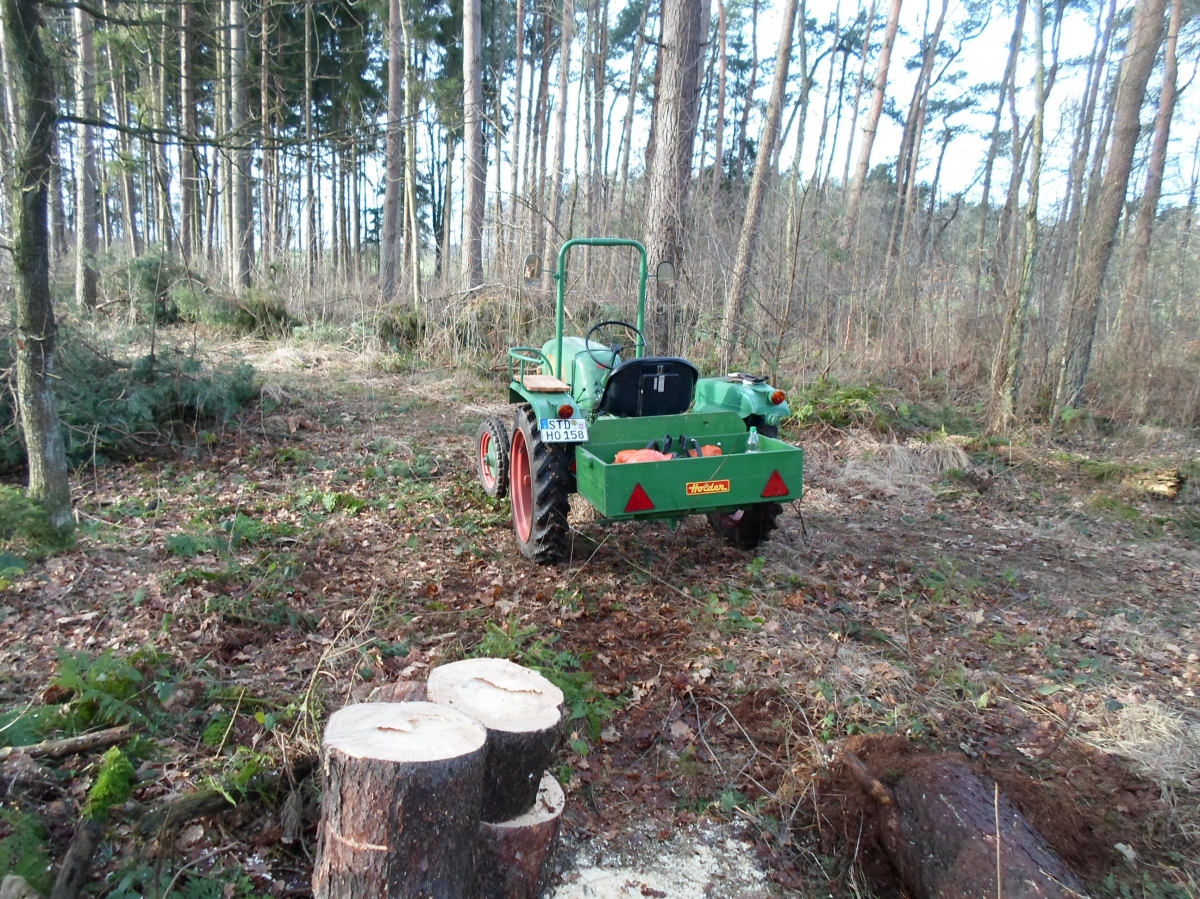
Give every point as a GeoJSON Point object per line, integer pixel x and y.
{"type": "Point", "coordinates": [678, 487]}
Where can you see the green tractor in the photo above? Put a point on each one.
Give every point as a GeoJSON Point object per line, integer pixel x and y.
{"type": "Point", "coordinates": [582, 401]}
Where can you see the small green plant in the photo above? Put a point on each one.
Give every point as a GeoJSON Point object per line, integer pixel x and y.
{"type": "Point", "coordinates": [24, 851]}
{"type": "Point", "coordinates": [107, 690]}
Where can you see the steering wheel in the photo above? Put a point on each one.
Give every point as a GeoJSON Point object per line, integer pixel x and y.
{"type": "Point", "coordinates": [592, 347]}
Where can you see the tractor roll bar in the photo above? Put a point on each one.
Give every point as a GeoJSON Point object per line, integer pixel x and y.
{"type": "Point", "coordinates": [560, 276]}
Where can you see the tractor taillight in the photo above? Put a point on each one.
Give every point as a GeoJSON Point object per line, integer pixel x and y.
{"type": "Point", "coordinates": [565, 410]}
{"type": "Point", "coordinates": [775, 486]}
{"type": "Point", "coordinates": [778, 397]}
{"type": "Point", "coordinates": [638, 500]}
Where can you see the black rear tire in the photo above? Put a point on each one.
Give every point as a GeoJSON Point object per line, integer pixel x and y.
{"type": "Point", "coordinates": [746, 528]}
{"type": "Point", "coordinates": [547, 493]}
{"type": "Point", "coordinates": [750, 527]}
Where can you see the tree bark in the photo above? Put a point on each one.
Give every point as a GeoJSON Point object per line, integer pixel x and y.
{"type": "Point", "coordinates": [189, 185]}
{"type": "Point", "coordinates": [243, 202]}
{"type": "Point", "coordinates": [635, 71]}
{"type": "Point", "coordinates": [522, 712]}
{"type": "Point", "coordinates": [1133, 300]}
{"type": "Point", "coordinates": [1138, 62]}
{"type": "Point", "coordinates": [1006, 370]}
{"type": "Point", "coordinates": [513, 854]}
{"type": "Point", "coordinates": [86, 238]}
{"type": "Point", "coordinates": [400, 816]}
{"type": "Point", "coordinates": [37, 332]}
{"type": "Point", "coordinates": [310, 198]}
{"type": "Point", "coordinates": [560, 115]}
{"type": "Point", "coordinates": [515, 148]}
{"type": "Point", "coordinates": [474, 168]}
{"type": "Point", "coordinates": [871, 125]}
{"type": "Point", "coordinates": [740, 284]}
{"type": "Point", "coordinates": [393, 162]}
{"type": "Point", "coordinates": [677, 103]}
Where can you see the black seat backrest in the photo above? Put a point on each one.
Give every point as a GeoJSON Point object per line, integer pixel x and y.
{"type": "Point", "coordinates": [655, 385]}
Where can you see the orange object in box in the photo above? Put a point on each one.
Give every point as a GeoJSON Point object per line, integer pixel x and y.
{"type": "Point", "coordinates": [641, 455]}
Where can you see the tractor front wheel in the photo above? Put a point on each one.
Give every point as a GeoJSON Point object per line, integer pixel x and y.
{"type": "Point", "coordinates": [491, 456]}
{"type": "Point", "coordinates": [540, 486]}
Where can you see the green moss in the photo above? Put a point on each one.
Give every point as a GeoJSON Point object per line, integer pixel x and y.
{"type": "Point", "coordinates": [112, 786]}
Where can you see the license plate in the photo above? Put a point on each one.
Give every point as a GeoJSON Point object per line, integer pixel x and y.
{"type": "Point", "coordinates": [564, 430]}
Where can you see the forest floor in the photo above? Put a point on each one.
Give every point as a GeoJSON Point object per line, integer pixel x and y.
{"type": "Point", "coordinates": [1016, 605]}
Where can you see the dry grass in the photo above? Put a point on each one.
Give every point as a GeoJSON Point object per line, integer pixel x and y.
{"type": "Point", "coordinates": [1163, 744]}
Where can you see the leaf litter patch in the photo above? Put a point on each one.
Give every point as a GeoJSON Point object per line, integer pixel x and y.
{"type": "Point", "coordinates": [290, 570]}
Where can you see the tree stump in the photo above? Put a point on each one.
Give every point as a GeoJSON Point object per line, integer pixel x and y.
{"type": "Point", "coordinates": [513, 854]}
{"type": "Point", "coordinates": [400, 814]}
{"type": "Point", "coordinates": [941, 833]}
{"type": "Point", "coordinates": [522, 712]}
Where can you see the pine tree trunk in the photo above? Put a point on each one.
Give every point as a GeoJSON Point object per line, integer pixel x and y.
{"type": "Point", "coordinates": [747, 244]}
{"type": "Point", "coordinates": [86, 238]}
{"type": "Point", "coordinates": [676, 107]}
{"type": "Point", "coordinates": [189, 227]}
{"type": "Point", "coordinates": [1134, 298]}
{"type": "Point", "coordinates": [1138, 62]}
{"type": "Point", "coordinates": [412, 233]}
{"type": "Point", "coordinates": [158, 150]}
{"type": "Point", "coordinates": [635, 71]}
{"type": "Point", "coordinates": [243, 202]}
{"type": "Point", "coordinates": [310, 199]}
{"type": "Point", "coordinates": [474, 167]}
{"type": "Point", "coordinates": [515, 158]}
{"type": "Point", "coordinates": [393, 162]}
{"type": "Point", "coordinates": [1010, 353]}
{"type": "Point", "coordinates": [560, 114]}
{"type": "Point", "coordinates": [120, 104]}
{"type": "Point", "coordinates": [871, 125]}
{"type": "Point", "coordinates": [859, 83]}
{"type": "Point", "coordinates": [37, 332]}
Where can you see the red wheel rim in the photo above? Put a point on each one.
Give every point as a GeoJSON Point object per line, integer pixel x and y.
{"type": "Point", "coordinates": [730, 519]}
{"type": "Point", "coordinates": [522, 487]}
{"type": "Point", "coordinates": [487, 473]}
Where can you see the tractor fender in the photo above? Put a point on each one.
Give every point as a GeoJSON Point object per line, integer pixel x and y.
{"type": "Point", "coordinates": [747, 400]}
{"type": "Point", "coordinates": [545, 405]}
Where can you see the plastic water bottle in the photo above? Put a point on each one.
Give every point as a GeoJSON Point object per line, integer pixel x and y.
{"type": "Point", "coordinates": [752, 445]}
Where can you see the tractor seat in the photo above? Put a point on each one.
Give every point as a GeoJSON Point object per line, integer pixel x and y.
{"type": "Point", "coordinates": [654, 385]}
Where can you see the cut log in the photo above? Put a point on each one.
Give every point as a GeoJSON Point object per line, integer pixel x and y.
{"type": "Point", "coordinates": [942, 830]}
{"type": "Point", "coordinates": [513, 854]}
{"type": "Point", "coordinates": [522, 712]}
{"type": "Point", "coordinates": [400, 813]}
{"type": "Point", "coordinates": [1164, 482]}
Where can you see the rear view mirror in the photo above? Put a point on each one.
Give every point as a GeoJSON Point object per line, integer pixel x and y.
{"type": "Point", "coordinates": [665, 273]}
{"type": "Point", "coordinates": [533, 268]}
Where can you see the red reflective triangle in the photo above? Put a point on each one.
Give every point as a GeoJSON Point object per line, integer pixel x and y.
{"type": "Point", "coordinates": [775, 486]}
{"type": "Point", "coordinates": [638, 500]}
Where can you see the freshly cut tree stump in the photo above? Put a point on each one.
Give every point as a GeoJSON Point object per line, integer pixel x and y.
{"type": "Point", "coordinates": [522, 712]}
{"type": "Point", "coordinates": [941, 834]}
{"type": "Point", "coordinates": [513, 854]}
{"type": "Point", "coordinates": [400, 815]}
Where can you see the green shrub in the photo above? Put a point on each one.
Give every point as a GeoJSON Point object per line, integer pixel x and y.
{"type": "Point", "coordinates": [25, 531]}
{"type": "Point", "coordinates": [261, 314]}
{"type": "Point", "coordinates": [146, 286]}
{"type": "Point", "coordinates": [400, 329]}
{"type": "Point", "coordinates": [112, 406]}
